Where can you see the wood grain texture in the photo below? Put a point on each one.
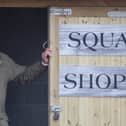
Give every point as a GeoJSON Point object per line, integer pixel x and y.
{"type": "Point", "coordinates": [53, 68]}
{"type": "Point", "coordinates": [85, 111]}
{"type": "Point", "coordinates": [47, 3]}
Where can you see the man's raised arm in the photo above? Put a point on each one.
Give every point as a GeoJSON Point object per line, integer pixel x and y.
{"type": "Point", "coordinates": [26, 74]}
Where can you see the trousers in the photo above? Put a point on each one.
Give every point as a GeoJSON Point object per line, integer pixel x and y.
{"type": "Point", "coordinates": [3, 119]}
{"type": "Point", "coordinates": [3, 123]}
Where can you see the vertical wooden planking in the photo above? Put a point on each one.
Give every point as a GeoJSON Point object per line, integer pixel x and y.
{"type": "Point", "coordinates": [122, 106]}
{"type": "Point", "coordinates": [105, 111]}
{"type": "Point", "coordinates": [70, 104]}
{"type": "Point", "coordinates": [85, 111]}
{"type": "Point", "coordinates": [53, 67]}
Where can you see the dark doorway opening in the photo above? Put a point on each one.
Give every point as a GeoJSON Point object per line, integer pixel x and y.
{"type": "Point", "coordinates": [22, 33]}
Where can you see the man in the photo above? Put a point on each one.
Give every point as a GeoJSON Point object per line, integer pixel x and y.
{"type": "Point", "coordinates": [9, 70]}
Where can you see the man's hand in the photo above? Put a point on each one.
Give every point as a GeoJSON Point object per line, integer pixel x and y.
{"type": "Point", "coordinates": [45, 56]}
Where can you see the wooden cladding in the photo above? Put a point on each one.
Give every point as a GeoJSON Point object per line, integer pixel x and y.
{"type": "Point", "coordinates": [47, 3]}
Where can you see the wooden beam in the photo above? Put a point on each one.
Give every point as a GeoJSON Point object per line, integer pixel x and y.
{"type": "Point", "coordinates": [47, 3]}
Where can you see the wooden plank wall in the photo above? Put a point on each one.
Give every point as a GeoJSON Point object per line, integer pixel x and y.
{"type": "Point", "coordinates": [93, 111]}
{"type": "Point", "coordinates": [47, 3]}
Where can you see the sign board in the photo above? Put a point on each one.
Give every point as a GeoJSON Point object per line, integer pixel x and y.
{"type": "Point", "coordinates": [92, 81]}
{"type": "Point", "coordinates": [92, 39]}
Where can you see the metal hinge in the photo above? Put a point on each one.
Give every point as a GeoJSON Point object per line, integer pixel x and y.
{"type": "Point", "coordinates": [56, 110]}
{"type": "Point", "coordinates": [60, 11]}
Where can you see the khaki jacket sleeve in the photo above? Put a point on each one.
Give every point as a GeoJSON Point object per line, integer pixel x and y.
{"type": "Point", "coordinates": [20, 73]}
{"type": "Point", "coordinates": [27, 74]}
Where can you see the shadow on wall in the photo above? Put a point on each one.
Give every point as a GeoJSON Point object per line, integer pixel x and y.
{"type": "Point", "coordinates": [22, 31]}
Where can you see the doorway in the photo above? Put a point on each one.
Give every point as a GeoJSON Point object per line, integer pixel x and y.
{"type": "Point", "coordinates": [22, 33]}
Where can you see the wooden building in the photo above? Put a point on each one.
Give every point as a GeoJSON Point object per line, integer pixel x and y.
{"type": "Point", "coordinates": [79, 111]}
